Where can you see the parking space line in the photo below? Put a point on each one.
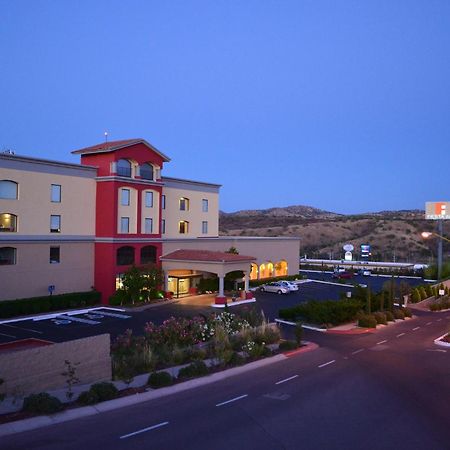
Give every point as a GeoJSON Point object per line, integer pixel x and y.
{"type": "Point", "coordinates": [77, 319]}
{"type": "Point", "coordinates": [357, 351]}
{"type": "Point", "coordinates": [429, 323]}
{"type": "Point", "coordinates": [415, 329]}
{"type": "Point", "coordinates": [154, 427]}
{"type": "Point", "coordinates": [8, 335]}
{"type": "Point", "coordinates": [108, 314]}
{"type": "Point", "coordinates": [327, 363]}
{"type": "Point", "coordinates": [232, 400]}
{"type": "Point", "coordinates": [400, 335]}
{"type": "Point", "coordinates": [438, 320]}
{"type": "Point", "coordinates": [381, 342]}
{"type": "Point", "coordinates": [287, 379]}
{"type": "Point", "coordinates": [21, 328]}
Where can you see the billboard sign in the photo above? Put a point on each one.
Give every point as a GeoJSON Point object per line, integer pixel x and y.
{"type": "Point", "coordinates": [365, 251]}
{"type": "Point", "coordinates": [437, 210]}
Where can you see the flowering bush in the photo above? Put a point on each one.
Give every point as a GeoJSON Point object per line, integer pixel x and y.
{"type": "Point", "coordinates": [231, 323]}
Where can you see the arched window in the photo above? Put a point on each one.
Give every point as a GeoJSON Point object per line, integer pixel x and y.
{"type": "Point", "coordinates": [183, 227]}
{"type": "Point", "coordinates": [8, 189]}
{"type": "Point", "coordinates": [184, 204]}
{"type": "Point", "coordinates": [148, 254]}
{"type": "Point", "coordinates": [147, 171]}
{"type": "Point", "coordinates": [7, 256]}
{"type": "Point", "coordinates": [125, 256]}
{"type": "Point", "coordinates": [124, 168]}
{"type": "Point", "coordinates": [8, 222]}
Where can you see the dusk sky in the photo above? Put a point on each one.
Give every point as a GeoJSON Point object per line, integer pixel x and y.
{"type": "Point", "coordinates": [342, 105]}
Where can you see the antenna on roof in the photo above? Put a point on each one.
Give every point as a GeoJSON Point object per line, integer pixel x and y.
{"type": "Point", "coordinates": [106, 136]}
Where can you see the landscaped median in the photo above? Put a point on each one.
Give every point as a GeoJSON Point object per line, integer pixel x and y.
{"type": "Point", "coordinates": [443, 341]}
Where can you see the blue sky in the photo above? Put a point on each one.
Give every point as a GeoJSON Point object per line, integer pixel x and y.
{"type": "Point", "coordinates": [342, 105]}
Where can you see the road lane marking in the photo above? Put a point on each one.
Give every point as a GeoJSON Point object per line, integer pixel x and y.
{"type": "Point", "coordinates": [436, 350]}
{"type": "Point", "coordinates": [159, 425]}
{"type": "Point", "coordinates": [8, 335]}
{"type": "Point", "coordinates": [381, 342]}
{"type": "Point", "coordinates": [327, 363]}
{"type": "Point", "coordinates": [287, 379]}
{"type": "Point", "coordinates": [400, 335]}
{"type": "Point", "coordinates": [232, 400]}
{"type": "Point", "coordinates": [357, 351]}
{"type": "Point", "coordinates": [438, 320]}
{"type": "Point", "coordinates": [21, 328]}
{"type": "Point", "coordinates": [429, 323]}
{"type": "Point", "coordinates": [414, 329]}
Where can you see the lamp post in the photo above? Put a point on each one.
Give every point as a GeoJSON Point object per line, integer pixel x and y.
{"type": "Point", "coordinates": [427, 234]}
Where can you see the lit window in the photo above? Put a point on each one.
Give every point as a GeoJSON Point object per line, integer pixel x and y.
{"type": "Point", "coordinates": [124, 224]}
{"type": "Point", "coordinates": [8, 222]}
{"type": "Point", "coordinates": [7, 256]}
{"type": "Point", "coordinates": [124, 168]}
{"type": "Point", "coordinates": [163, 202]}
{"type": "Point", "coordinates": [148, 226]}
{"type": "Point", "coordinates": [183, 227]}
{"type": "Point", "coordinates": [148, 199]}
{"type": "Point", "coordinates": [184, 204]}
{"type": "Point", "coordinates": [55, 224]}
{"type": "Point", "coordinates": [163, 226]}
{"type": "Point", "coordinates": [205, 205]}
{"type": "Point", "coordinates": [125, 197]}
{"type": "Point", "coordinates": [54, 255]}
{"type": "Point", "coordinates": [204, 227]}
{"type": "Point", "coordinates": [146, 171]}
{"type": "Point", "coordinates": [8, 189]}
{"type": "Point", "coordinates": [55, 195]}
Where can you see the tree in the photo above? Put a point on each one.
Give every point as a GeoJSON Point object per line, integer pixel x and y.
{"type": "Point", "coordinates": [233, 251]}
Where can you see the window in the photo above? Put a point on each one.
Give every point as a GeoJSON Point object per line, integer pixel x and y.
{"type": "Point", "coordinates": [183, 227]}
{"type": "Point", "coordinates": [148, 199]}
{"type": "Point", "coordinates": [124, 168]}
{"type": "Point", "coordinates": [8, 189]}
{"type": "Point", "coordinates": [125, 197]}
{"type": "Point", "coordinates": [148, 254]}
{"type": "Point", "coordinates": [148, 226]}
{"type": "Point", "coordinates": [7, 256]}
{"type": "Point", "coordinates": [125, 256]}
{"type": "Point", "coordinates": [204, 227]}
{"type": "Point", "coordinates": [205, 205]}
{"type": "Point", "coordinates": [55, 224]}
{"type": "Point", "coordinates": [8, 222]}
{"type": "Point", "coordinates": [147, 171]}
{"type": "Point", "coordinates": [124, 224]}
{"type": "Point", "coordinates": [163, 202]}
{"type": "Point", "coordinates": [54, 255]}
{"type": "Point", "coordinates": [55, 195]}
{"type": "Point", "coordinates": [163, 226]}
{"type": "Point", "coordinates": [184, 204]}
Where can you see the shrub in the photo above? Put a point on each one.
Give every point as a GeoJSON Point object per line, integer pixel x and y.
{"type": "Point", "coordinates": [287, 345]}
{"type": "Point", "coordinates": [298, 333]}
{"type": "Point", "coordinates": [99, 392]}
{"type": "Point", "coordinates": [389, 316]}
{"type": "Point", "coordinates": [435, 307]}
{"type": "Point", "coordinates": [423, 293]}
{"type": "Point", "coordinates": [42, 403]}
{"type": "Point", "coordinates": [367, 321]}
{"type": "Point", "coordinates": [236, 359]}
{"type": "Point", "coordinates": [159, 379]}
{"type": "Point", "coordinates": [266, 333]}
{"type": "Point", "coordinates": [399, 314]}
{"type": "Point", "coordinates": [415, 296]}
{"type": "Point", "coordinates": [380, 318]}
{"type": "Point", "coordinates": [196, 369]}
{"type": "Point", "coordinates": [407, 312]}
{"type": "Point", "coordinates": [88, 398]}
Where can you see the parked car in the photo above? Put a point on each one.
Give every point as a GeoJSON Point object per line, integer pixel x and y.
{"type": "Point", "coordinates": [365, 272]}
{"type": "Point", "coordinates": [290, 285]}
{"type": "Point", "coordinates": [343, 275]}
{"type": "Point", "coordinates": [276, 287]}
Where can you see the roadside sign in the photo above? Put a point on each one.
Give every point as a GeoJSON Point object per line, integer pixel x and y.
{"type": "Point", "coordinates": [437, 210]}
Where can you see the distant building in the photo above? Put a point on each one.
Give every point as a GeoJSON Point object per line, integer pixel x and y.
{"type": "Point", "coordinates": [71, 227]}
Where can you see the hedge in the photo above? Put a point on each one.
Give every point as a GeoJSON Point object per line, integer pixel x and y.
{"type": "Point", "coordinates": [328, 312]}
{"type": "Point", "coordinates": [35, 305]}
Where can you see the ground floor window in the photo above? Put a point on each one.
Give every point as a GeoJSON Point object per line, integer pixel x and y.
{"type": "Point", "coordinates": [148, 254]}
{"type": "Point", "coordinates": [7, 256]}
{"type": "Point", "coordinates": [54, 255]}
{"type": "Point", "coordinates": [125, 256]}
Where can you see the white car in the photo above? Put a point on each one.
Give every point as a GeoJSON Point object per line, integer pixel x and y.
{"type": "Point", "coordinates": [290, 285]}
{"type": "Point", "coordinates": [276, 287]}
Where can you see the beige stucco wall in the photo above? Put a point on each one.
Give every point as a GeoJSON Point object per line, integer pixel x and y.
{"type": "Point", "coordinates": [33, 273]}
{"type": "Point", "coordinates": [33, 207]}
{"type": "Point", "coordinates": [39, 369]}
{"type": "Point", "coordinates": [263, 249]}
{"type": "Point", "coordinates": [194, 216]}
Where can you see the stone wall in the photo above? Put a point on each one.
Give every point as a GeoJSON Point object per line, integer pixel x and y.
{"type": "Point", "coordinates": [39, 369]}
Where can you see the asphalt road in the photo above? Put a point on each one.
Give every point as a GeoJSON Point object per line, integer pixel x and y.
{"type": "Point", "coordinates": [384, 390]}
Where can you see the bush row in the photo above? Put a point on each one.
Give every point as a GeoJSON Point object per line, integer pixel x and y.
{"type": "Point", "coordinates": [420, 293]}
{"type": "Point", "coordinates": [372, 320]}
{"type": "Point", "coordinates": [35, 305]}
{"type": "Point", "coordinates": [441, 303]}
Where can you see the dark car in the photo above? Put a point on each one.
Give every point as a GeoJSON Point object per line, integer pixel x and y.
{"type": "Point", "coordinates": [343, 275]}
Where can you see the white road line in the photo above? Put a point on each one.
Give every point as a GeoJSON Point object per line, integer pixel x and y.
{"type": "Point", "coordinates": [357, 351]}
{"type": "Point", "coordinates": [381, 342]}
{"type": "Point", "coordinates": [414, 329]}
{"type": "Point", "coordinates": [429, 323]}
{"type": "Point", "coordinates": [436, 350]}
{"type": "Point", "coordinates": [400, 335]}
{"type": "Point", "coordinates": [286, 379]}
{"type": "Point", "coordinates": [327, 363]}
{"type": "Point", "coordinates": [438, 320]}
{"type": "Point", "coordinates": [232, 400]}
{"type": "Point", "coordinates": [8, 335]}
{"type": "Point", "coordinates": [20, 328]}
{"type": "Point", "coordinates": [159, 425]}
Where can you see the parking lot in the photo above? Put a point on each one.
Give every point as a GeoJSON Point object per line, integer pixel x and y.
{"type": "Point", "coordinates": [74, 325]}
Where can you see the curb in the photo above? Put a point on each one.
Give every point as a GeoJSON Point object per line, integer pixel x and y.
{"type": "Point", "coordinates": [353, 331]}
{"type": "Point", "coordinates": [307, 348]}
{"type": "Point", "coordinates": [442, 343]}
{"type": "Point", "coordinates": [86, 411]}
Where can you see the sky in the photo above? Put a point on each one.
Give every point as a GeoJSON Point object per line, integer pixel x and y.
{"type": "Point", "coordinates": [341, 105]}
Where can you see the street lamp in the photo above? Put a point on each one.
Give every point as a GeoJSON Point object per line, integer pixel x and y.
{"type": "Point", "coordinates": [426, 235]}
